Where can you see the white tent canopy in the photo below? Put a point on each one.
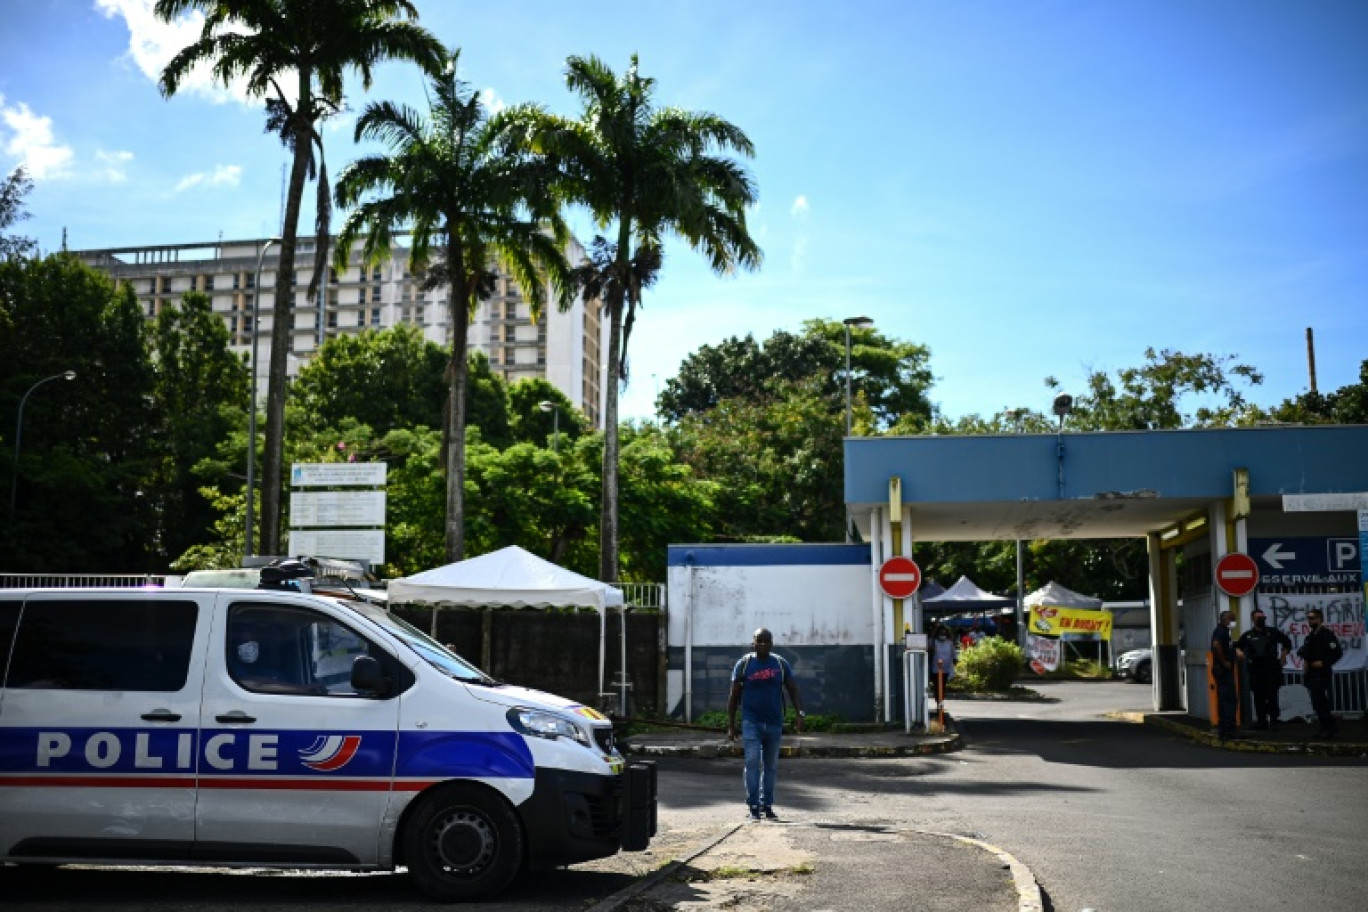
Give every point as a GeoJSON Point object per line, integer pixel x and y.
{"type": "Point", "coordinates": [1056, 596]}
{"type": "Point", "coordinates": [965, 595]}
{"type": "Point", "coordinates": [512, 577]}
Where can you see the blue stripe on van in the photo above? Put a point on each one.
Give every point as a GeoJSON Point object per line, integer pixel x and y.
{"type": "Point", "coordinates": [238, 753]}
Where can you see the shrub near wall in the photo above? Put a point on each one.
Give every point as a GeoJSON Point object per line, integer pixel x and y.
{"type": "Point", "coordinates": [991, 664]}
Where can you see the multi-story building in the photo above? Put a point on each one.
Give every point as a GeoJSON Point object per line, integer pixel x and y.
{"type": "Point", "coordinates": [564, 347]}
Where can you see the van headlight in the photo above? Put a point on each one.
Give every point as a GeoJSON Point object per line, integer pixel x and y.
{"type": "Point", "coordinates": [540, 724]}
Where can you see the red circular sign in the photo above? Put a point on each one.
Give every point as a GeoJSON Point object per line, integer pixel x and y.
{"type": "Point", "coordinates": [899, 577]}
{"type": "Point", "coordinates": [1237, 574]}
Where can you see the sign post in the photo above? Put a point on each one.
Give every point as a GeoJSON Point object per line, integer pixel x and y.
{"type": "Point", "coordinates": [1363, 552]}
{"type": "Point", "coordinates": [899, 577]}
{"type": "Point", "coordinates": [1237, 575]}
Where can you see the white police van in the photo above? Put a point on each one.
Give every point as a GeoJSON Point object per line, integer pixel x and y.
{"type": "Point", "coordinates": [263, 728]}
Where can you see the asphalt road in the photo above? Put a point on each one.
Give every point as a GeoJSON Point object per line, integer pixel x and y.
{"type": "Point", "coordinates": [1114, 816]}
{"type": "Point", "coordinates": [1111, 816]}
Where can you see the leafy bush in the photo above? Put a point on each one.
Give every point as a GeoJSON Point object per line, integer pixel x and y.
{"type": "Point", "coordinates": [991, 664]}
{"type": "Point", "coordinates": [813, 723]}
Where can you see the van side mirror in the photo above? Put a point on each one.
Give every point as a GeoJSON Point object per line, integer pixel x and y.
{"type": "Point", "coordinates": [367, 678]}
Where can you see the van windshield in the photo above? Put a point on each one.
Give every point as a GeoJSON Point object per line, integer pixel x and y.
{"type": "Point", "coordinates": [428, 649]}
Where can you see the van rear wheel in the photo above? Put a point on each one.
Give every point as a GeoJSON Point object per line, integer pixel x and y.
{"type": "Point", "coordinates": [463, 842]}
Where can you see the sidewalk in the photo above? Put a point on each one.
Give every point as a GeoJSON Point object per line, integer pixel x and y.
{"type": "Point", "coordinates": [710, 744]}
{"type": "Point", "coordinates": [825, 864]}
{"type": "Point", "coordinates": [1295, 737]}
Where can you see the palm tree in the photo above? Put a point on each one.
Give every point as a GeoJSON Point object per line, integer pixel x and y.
{"type": "Point", "coordinates": [652, 172]}
{"type": "Point", "coordinates": [471, 192]}
{"type": "Point", "coordinates": [315, 43]}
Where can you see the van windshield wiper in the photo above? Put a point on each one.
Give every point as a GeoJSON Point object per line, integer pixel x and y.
{"type": "Point", "coordinates": [482, 680]}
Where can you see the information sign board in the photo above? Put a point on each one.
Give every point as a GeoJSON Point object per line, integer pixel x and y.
{"type": "Point", "coordinates": [337, 508]}
{"type": "Point", "coordinates": [368, 544]}
{"type": "Point", "coordinates": [337, 474]}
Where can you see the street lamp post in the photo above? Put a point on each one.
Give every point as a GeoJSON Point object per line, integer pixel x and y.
{"type": "Point", "coordinates": [547, 405]}
{"type": "Point", "coordinates": [849, 322]}
{"type": "Point", "coordinates": [19, 434]}
{"type": "Point", "coordinates": [248, 546]}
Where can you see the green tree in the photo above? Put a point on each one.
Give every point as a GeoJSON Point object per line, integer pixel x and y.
{"type": "Point", "coordinates": [386, 379]}
{"type": "Point", "coordinates": [663, 501]}
{"type": "Point", "coordinates": [539, 499]}
{"type": "Point", "coordinates": [776, 462]}
{"type": "Point", "coordinates": [1152, 396]}
{"type": "Point", "coordinates": [467, 185]}
{"type": "Point", "coordinates": [890, 379]}
{"type": "Point", "coordinates": [533, 424]}
{"type": "Point", "coordinates": [12, 192]}
{"type": "Point", "coordinates": [82, 499]}
{"type": "Point", "coordinates": [315, 43]}
{"type": "Point", "coordinates": [650, 172]}
{"type": "Point", "coordinates": [1346, 405]}
{"type": "Point", "coordinates": [199, 391]}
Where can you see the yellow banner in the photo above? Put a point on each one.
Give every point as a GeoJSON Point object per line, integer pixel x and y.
{"type": "Point", "coordinates": [1048, 620]}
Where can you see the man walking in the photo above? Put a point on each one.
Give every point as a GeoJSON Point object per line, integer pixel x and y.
{"type": "Point", "coordinates": [1266, 648]}
{"type": "Point", "coordinates": [758, 684]}
{"type": "Point", "coordinates": [1223, 673]}
{"type": "Point", "coordinates": [1320, 651]}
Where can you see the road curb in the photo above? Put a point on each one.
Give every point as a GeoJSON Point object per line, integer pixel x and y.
{"type": "Point", "coordinates": [1029, 897]}
{"type": "Point", "coordinates": [626, 894]}
{"type": "Point", "coordinates": [1308, 747]}
{"type": "Point", "coordinates": [712, 751]}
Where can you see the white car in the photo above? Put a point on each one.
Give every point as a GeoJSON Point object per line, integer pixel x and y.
{"type": "Point", "coordinates": [1136, 665]}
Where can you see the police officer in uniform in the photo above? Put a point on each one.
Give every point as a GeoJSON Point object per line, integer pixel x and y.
{"type": "Point", "coordinates": [1223, 673]}
{"type": "Point", "coordinates": [1320, 651]}
{"type": "Point", "coordinates": [1266, 648]}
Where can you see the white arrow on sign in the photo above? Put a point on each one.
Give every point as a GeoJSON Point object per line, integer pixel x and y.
{"type": "Point", "coordinates": [1274, 556]}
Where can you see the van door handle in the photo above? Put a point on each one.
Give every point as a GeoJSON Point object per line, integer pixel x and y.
{"type": "Point", "coordinates": [236, 717]}
{"type": "Point", "coordinates": [161, 715]}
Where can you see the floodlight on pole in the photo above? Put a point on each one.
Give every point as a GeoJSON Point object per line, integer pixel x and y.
{"type": "Point", "coordinates": [546, 405]}
{"type": "Point", "coordinates": [248, 546]}
{"type": "Point", "coordinates": [1063, 405]}
{"type": "Point", "coordinates": [849, 322]}
{"type": "Point", "coordinates": [19, 434]}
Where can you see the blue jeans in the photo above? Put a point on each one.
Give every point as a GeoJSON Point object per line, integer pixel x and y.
{"type": "Point", "coordinates": [761, 741]}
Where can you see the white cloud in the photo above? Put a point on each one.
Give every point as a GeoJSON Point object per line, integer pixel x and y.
{"type": "Point", "coordinates": [112, 165]}
{"type": "Point", "coordinates": [799, 209]}
{"type": "Point", "coordinates": [152, 43]}
{"type": "Point", "coordinates": [492, 102]}
{"type": "Point", "coordinates": [222, 175]}
{"type": "Point", "coordinates": [30, 139]}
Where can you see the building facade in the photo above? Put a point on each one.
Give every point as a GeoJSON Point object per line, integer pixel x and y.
{"type": "Point", "coordinates": [564, 347]}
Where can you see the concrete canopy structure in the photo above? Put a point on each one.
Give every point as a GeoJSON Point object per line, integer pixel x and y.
{"type": "Point", "coordinates": [1202, 493]}
{"type": "Point", "coordinates": [1093, 485]}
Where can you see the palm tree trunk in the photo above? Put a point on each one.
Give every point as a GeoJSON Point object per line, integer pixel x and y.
{"type": "Point", "coordinates": [608, 523]}
{"type": "Point", "coordinates": [282, 324]}
{"type": "Point", "coordinates": [456, 407]}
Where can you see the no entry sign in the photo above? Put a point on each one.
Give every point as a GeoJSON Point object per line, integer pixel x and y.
{"type": "Point", "coordinates": [1237, 574]}
{"type": "Point", "coordinates": [899, 577]}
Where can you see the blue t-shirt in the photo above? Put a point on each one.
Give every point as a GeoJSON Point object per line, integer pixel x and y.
{"type": "Point", "coordinates": [762, 690]}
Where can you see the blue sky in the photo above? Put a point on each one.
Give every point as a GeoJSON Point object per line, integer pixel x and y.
{"type": "Point", "coordinates": [1028, 188]}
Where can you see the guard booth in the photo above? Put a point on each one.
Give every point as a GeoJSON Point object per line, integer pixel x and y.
{"type": "Point", "coordinates": [1286, 497]}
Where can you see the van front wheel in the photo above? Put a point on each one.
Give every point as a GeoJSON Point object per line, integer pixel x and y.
{"type": "Point", "coordinates": [463, 842]}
